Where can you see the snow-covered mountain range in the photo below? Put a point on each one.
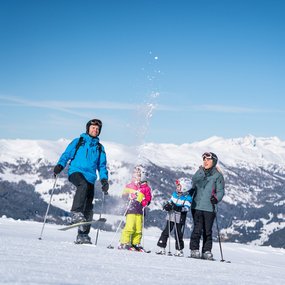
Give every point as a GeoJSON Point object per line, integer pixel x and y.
{"type": "Point", "coordinates": [254, 168]}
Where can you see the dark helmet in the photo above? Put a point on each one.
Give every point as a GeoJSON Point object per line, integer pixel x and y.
{"type": "Point", "coordinates": [211, 155]}
{"type": "Point", "coordinates": [96, 122]}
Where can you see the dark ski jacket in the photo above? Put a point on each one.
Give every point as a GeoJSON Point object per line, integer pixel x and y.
{"type": "Point", "coordinates": [90, 157]}
{"type": "Point", "coordinates": [205, 184]}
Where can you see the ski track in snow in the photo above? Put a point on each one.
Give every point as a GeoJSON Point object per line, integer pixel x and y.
{"type": "Point", "coordinates": [24, 259]}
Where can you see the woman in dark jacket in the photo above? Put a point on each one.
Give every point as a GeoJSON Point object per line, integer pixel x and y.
{"type": "Point", "coordinates": [208, 190]}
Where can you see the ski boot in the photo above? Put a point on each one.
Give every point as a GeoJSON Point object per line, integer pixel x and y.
{"type": "Point", "coordinates": [161, 251]}
{"type": "Point", "coordinates": [126, 246]}
{"type": "Point", "coordinates": [179, 253]}
{"type": "Point", "coordinates": [83, 239]}
{"type": "Point", "coordinates": [139, 248]}
{"type": "Point", "coordinates": [77, 217]}
{"type": "Point", "coordinates": [207, 255]}
{"type": "Point", "coordinates": [195, 253]}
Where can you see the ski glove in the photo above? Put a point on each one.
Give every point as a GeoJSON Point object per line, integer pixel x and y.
{"type": "Point", "coordinates": [57, 169]}
{"type": "Point", "coordinates": [176, 208]}
{"type": "Point", "coordinates": [105, 186]}
{"type": "Point", "coordinates": [168, 207]}
{"type": "Point", "coordinates": [214, 200]}
{"type": "Point", "coordinates": [133, 196]}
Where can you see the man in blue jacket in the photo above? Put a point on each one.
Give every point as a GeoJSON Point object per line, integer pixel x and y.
{"type": "Point", "coordinates": [208, 187]}
{"type": "Point", "coordinates": [86, 156]}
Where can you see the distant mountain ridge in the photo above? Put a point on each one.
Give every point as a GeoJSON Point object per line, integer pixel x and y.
{"type": "Point", "coordinates": [252, 210]}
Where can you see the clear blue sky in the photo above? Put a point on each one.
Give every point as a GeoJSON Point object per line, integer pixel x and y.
{"type": "Point", "coordinates": [208, 67]}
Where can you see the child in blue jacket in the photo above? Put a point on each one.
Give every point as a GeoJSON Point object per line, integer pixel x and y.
{"type": "Point", "coordinates": [177, 208]}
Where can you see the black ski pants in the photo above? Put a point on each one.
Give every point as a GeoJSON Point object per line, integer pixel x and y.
{"type": "Point", "coordinates": [179, 243]}
{"type": "Point", "coordinates": [83, 199]}
{"type": "Point", "coordinates": [203, 223]}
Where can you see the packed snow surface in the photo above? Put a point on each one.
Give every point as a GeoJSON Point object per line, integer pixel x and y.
{"type": "Point", "coordinates": [24, 259]}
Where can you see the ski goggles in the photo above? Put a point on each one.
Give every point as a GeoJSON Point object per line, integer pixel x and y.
{"type": "Point", "coordinates": [207, 155]}
{"type": "Point", "coordinates": [96, 122]}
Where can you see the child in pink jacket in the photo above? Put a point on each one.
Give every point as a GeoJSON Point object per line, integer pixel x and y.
{"type": "Point", "coordinates": [139, 194]}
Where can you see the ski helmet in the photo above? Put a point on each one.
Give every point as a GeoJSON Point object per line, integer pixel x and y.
{"type": "Point", "coordinates": [138, 168]}
{"type": "Point", "coordinates": [95, 122]}
{"type": "Point", "coordinates": [211, 155]}
{"type": "Point", "coordinates": [185, 183]}
{"type": "Point", "coordinates": [136, 177]}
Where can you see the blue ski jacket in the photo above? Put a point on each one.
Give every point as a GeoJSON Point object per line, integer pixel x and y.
{"type": "Point", "coordinates": [181, 200]}
{"type": "Point", "coordinates": [89, 158]}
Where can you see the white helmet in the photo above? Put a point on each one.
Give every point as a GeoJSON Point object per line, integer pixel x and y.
{"type": "Point", "coordinates": [138, 168]}
{"type": "Point", "coordinates": [186, 184]}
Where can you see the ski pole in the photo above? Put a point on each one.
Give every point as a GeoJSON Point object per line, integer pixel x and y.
{"type": "Point", "coordinates": [110, 245]}
{"type": "Point", "coordinates": [143, 226]}
{"type": "Point", "coordinates": [102, 207]}
{"type": "Point", "coordinates": [219, 238]}
{"type": "Point", "coordinates": [176, 233]}
{"type": "Point", "coordinates": [169, 246]}
{"type": "Point", "coordinates": [48, 208]}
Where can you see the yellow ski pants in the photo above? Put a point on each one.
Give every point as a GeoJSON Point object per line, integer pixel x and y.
{"type": "Point", "coordinates": [132, 232]}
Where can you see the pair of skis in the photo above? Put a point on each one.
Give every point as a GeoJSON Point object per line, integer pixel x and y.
{"type": "Point", "coordinates": [133, 249]}
{"type": "Point", "coordinates": [170, 254]}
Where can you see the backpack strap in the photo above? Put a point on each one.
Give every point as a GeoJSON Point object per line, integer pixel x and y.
{"type": "Point", "coordinates": [79, 144]}
{"type": "Point", "coordinates": [99, 156]}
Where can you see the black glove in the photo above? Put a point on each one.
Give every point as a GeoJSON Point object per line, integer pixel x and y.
{"type": "Point", "coordinates": [214, 200]}
{"type": "Point", "coordinates": [176, 208]}
{"type": "Point", "coordinates": [57, 169]}
{"type": "Point", "coordinates": [105, 186]}
{"type": "Point", "coordinates": [168, 207]}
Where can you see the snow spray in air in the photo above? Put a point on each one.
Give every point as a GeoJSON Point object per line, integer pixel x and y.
{"type": "Point", "coordinates": [146, 109]}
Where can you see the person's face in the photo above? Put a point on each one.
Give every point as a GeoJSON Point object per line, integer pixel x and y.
{"type": "Point", "coordinates": [207, 163]}
{"type": "Point", "coordinates": [94, 131]}
{"type": "Point", "coordinates": [178, 188]}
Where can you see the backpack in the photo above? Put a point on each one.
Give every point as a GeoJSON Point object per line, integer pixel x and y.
{"type": "Point", "coordinates": [80, 143]}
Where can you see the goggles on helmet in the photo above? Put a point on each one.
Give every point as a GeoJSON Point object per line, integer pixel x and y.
{"type": "Point", "coordinates": [207, 155]}
{"type": "Point", "coordinates": [210, 155]}
{"type": "Point", "coordinates": [96, 122]}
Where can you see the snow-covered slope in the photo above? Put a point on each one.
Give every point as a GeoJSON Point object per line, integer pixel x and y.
{"type": "Point", "coordinates": [252, 210]}
{"type": "Point", "coordinates": [56, 260]}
